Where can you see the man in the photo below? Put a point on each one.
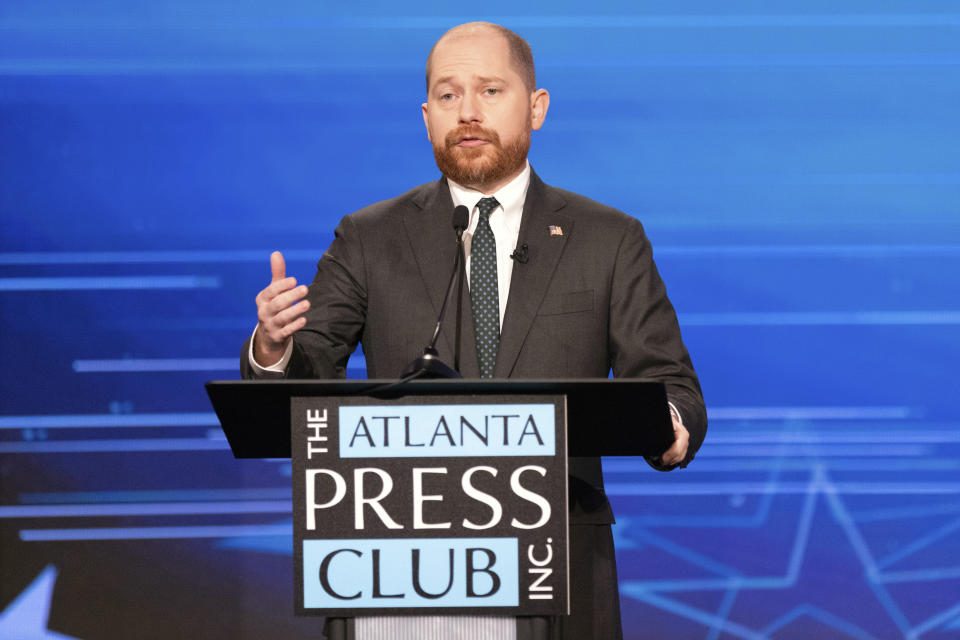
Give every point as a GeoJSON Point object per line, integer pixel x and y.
{"type": "Point", "coordinates": [584, 299]}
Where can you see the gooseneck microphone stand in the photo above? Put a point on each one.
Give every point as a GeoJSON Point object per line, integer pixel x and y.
{"type": "Point", "coordinates": [429, 364]}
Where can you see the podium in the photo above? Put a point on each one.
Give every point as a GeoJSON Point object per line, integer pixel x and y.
{"type": "Point", "coordinates": [436, 496]}
{"type": "Point", "coordinates": [617, 417]}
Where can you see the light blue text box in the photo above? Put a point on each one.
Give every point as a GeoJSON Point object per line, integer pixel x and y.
{"type": "Point", "coordinates": [350, 573]}
{"type": "Point", "coordinates": [447, 430]}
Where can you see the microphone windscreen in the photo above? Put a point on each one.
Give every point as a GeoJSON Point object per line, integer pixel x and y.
{"type": "Point", "coordinates": [461, 218]}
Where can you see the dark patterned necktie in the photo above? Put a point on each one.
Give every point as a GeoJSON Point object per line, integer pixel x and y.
{"type": "Point", "coordinates": [484, 294]}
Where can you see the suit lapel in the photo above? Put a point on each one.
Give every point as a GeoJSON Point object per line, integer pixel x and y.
{"type": "Point", "coordinates": [529, 281]}
{"type": "Point", "coordinates": [431, 236]}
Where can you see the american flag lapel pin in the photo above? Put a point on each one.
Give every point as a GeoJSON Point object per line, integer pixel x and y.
{"type": "Point", "coordinates": [556, 230]}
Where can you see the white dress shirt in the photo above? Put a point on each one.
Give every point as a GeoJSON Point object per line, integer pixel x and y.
{"type": "Point", "coordinates": [504, 221]}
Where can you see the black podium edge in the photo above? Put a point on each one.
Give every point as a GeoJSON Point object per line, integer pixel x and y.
{"type": "Point", "coordinates": [617, 417]}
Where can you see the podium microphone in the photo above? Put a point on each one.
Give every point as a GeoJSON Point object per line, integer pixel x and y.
{"type": "Point", "coordinates": [429, 365]}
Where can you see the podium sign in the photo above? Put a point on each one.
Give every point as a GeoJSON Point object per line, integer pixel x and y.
{"type": "Point", "coordinates": [438, 504]}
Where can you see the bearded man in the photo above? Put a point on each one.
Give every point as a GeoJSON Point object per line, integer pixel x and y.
{"type": "Point", "coordinates": [585, 300]}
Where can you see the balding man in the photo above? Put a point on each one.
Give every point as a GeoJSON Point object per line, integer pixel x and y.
{"type": "Point", "coordinates": [585, 300]}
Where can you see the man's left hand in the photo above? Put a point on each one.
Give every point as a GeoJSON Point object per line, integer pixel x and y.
{"type": "Point", "coordinates": [678, 451]}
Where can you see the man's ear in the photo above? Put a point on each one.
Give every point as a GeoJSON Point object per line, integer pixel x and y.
{"type": "Point", "coordinates": [539, 103]}
{"type": "Point", "coordinates": [426, 119]}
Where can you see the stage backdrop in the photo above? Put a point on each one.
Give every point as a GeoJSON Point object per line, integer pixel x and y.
{"type": "Point", "coordinates": [796, 164]}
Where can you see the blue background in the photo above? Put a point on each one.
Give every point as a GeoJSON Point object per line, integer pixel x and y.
{"type": "Point", "coordinates": [796, 164]}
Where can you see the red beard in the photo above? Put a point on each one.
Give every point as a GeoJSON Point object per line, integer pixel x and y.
{"type": "Point", "coordinates": [476, 167]}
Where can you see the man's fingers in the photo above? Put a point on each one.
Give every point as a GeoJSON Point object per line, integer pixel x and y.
{"type": "Point", "coordinates": [678, 450]}
{"type": "Point", "coordinates": [279, 311]}
{"type": "Point", "coordinates": [672, 456]}
{"type": "Point", "coordinates": [275, 288]}
{"type": "Point", "coordinates": [291, 314]}
{"type": "Point", "coordinates": [277, 316]}
{"type": "Point", "coordinates": [293, 327]}
{"type": "Point", "coordinates": [283, 300]}
{"type": "Point", "coordinates": [278, 333]}
{"type": "Point", "coordinates": [280, 307]}
{"type": "Point", "coordinates": [278, 267]}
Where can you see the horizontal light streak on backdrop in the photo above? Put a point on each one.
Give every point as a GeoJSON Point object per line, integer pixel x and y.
{"type": "Point", "coordinates": [919, 575]}
{"type": "Point", "coordinates": [76, 67]}
{"type": "Point", "coordinates": [86, 283]}
{"type": "Point", "coordinates": [816, 451]}
{"type": "Point", "coordinates": [808, 413]}
{"type": "Point", "coordinates": [808, 250]}
{"type": "Point", "coordinates": [920, 318]}
{"type": "Point", "coordinates": [132, 365]}
{"type": "Point", "coordinates": [202, 444]}
{"type": "Point", "coordinates": [789, 461]}
{"type": "Point", "coordinates": [143, 533]}
{"type": "Point", "coordinates": [210, 418]}
{"type": "Point", "coordinates": [912, 511]}
{"type": "Point", "coordinates": [673, 251]}
{"type": "Point", "coordinates": [141, 365]}
{"type": "Point", "coordinates": [157, 256]}
{"type": "Point", "coordinates": [284, 506]}
{"type": "Point", "coordinates": [110, 420]}
{"type": "Point", "coordinates": [611, 21]}
{"type": "Point", "coordinates": [146, 509]}
{"type": "Point", "coordinates": [835, 437]}
{"type": "Point", "coordinates": [157, 495]}
{"type": "Point", "coordinates": [761, 488]}
{"type": "Point", "coordinates": [102, 446]}
{"type": "Point", "coordinates": [819, 318]}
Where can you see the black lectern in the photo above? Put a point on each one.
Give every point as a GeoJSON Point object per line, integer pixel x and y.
{"type": "Point", "coordinates": [605, 417]}
{"type": "Point", "coordinates": [436, 496]}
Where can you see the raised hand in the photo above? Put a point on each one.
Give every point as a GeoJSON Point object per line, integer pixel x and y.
{"type": "Point", "coordinates": [280, 312]}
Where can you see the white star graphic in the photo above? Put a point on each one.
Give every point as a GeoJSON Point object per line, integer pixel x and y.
{"type": "Point", "coordinates": [26, 617]}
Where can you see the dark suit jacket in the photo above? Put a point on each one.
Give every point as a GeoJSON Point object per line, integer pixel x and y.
{"type": "Point", "coordinates": [587, 301]}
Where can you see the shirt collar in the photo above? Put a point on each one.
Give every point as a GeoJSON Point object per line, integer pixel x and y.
{"type": "Point", "coordinates": [511, 196]}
